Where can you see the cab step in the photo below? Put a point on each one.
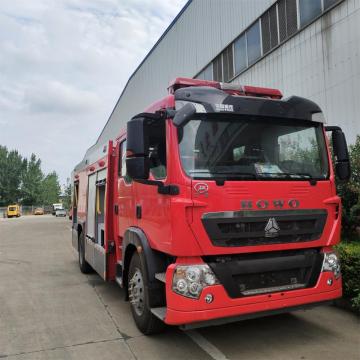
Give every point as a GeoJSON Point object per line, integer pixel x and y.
{"type": "Point", "coordinates": [161, 277]}
{"type": "Point", "coordinates": [159, 312]}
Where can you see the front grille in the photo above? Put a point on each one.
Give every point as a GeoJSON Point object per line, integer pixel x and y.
{"type": "Point", "coordinates": [260, 273]}
{"type": "Point", "coordinates": [248, 228]}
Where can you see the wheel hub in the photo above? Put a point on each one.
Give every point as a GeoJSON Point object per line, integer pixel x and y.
{"type": "Point", "coordinates": [136, 292]}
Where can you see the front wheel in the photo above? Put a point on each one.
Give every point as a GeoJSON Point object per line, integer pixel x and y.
{"type": "Point", "coordinates": [145, 320]}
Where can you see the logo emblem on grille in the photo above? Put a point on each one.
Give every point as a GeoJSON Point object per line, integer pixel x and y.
{"type": "Point", "coordinates": [272, 228]}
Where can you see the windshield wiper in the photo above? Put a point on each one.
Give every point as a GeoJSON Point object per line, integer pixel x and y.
{"type": "Point", "coordinates": [307, 176]}
{"type": "Point", "coordinates": [221, 177]}
{"type": "Point", "coordinates": [288, 175]}
{"type": "Point", "coordinates": [229, 175]}
{"type": "Point", "coordinates": [304, 176]}
{"type": "Point", "coordinates": [223, 174]}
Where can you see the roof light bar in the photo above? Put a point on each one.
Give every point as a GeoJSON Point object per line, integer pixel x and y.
{"type": "Point", "coordinates": [233, 89]}
{"type": "Point", "coordinates": [261, 91]}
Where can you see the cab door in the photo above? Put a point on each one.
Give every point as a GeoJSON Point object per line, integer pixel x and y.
{"type": "Point", "coordinates": [153, 209]}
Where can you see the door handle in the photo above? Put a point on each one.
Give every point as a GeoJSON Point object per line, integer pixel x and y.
{"type": "Point", "coordinates": [138, 211]}
{"type": "Point", "coordinates": [116, 209]}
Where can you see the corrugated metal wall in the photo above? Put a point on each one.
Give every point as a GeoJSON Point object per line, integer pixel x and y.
{"type": "Point", "coordinates": [322, 62]}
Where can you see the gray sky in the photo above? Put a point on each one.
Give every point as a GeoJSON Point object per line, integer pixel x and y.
{"type": "Point", "coordinates": [63, 65]}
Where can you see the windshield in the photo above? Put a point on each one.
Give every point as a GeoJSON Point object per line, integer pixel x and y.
{"type": "Point", "coordinates": [253, 148]}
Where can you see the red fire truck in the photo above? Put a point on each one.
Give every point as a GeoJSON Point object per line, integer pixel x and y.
{"type": "Point", "coordinates": [216, 204]}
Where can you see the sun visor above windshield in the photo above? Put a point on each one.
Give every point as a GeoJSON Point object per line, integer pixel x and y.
{"type": "Point", "coordinates": [218, 101]}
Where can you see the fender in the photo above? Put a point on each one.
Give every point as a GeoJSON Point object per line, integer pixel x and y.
{"type": "Point", "coordinates": [155, 262]}
{"type": "Point", "coordinates": [75, 234]}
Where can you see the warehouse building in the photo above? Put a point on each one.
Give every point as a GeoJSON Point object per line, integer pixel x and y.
{"type": "Point", "coordinates": [309, 48]}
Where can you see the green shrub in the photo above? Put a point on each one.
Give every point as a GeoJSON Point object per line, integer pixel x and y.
{"type": "Point", "coordinates": [350, 266]}
{"type": "Point", "coordinates": [350, 195]}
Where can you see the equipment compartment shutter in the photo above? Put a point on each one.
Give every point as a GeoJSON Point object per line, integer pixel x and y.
{"type": "Point", "coordinates": [90, 219]}
{"type": "Point", "coordinates": [101, 175]}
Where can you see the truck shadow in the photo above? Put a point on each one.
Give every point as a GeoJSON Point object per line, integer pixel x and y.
{"type": "Point", "coordinates": [297, 328]}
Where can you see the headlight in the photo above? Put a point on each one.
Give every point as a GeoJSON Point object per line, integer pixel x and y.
{"type": "Point", "coordinates": [190, 280]}
{"type": "Point", "coordinates": [332, 263]}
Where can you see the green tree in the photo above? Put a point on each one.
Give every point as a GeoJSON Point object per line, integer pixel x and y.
{"type": "Point", "coordinates": [355, 166]}
{"type": "Point", "coordinates": [31, 182]}
{"type": "Point", "coordinates": [12, 167]}
{"type": "Point", "coordinates": [3, 168]}
{"type": "Point", "coordinates": [50, 189]}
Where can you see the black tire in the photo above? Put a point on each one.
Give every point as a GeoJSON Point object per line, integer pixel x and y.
{"type": "Point", "coordinates": [145, 320]}
{"type": "Point", "coordinates": [84, 266]}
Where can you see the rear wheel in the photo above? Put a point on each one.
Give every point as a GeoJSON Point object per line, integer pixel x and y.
{"type": "Point", "coordinates": [145, 320]}
{"type": "Point", "coordinates": [84, 266]}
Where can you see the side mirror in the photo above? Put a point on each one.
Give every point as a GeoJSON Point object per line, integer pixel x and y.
{"type": "Point", "coordinates": [139, 130]}
{"type": "Point", "coordinates": [137, 148]}
{"type": "Point", "coordinates": [138, 168]}
{"type": "Point", "coordinates": [342, 161]}
{"type": "Point", "coordinates": [137, 139]}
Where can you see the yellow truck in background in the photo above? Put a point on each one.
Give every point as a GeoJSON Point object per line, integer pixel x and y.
{"type": "Point", "coordinates": [13, 211]}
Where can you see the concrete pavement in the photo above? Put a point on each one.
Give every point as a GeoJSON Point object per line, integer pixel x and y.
{"type": "Point", "coordinates": [49, 310]}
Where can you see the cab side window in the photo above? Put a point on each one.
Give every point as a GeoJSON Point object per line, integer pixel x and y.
{"type": "Point", "coordinates": [122, 163]}
{"type": "Point", "coordinates": [157, 152]}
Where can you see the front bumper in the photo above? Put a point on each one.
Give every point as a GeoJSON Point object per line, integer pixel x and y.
{"type": "Point", "coordinates": [182, 310]}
